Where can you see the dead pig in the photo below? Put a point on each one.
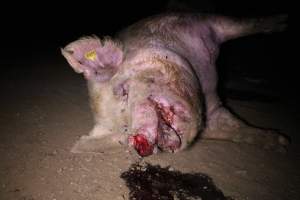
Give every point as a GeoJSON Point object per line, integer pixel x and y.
{"type": "Point", "coordinates": [154, 84]}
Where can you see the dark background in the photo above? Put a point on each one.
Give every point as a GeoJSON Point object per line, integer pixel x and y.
{"type": "Point", "coordinates": [33, 32]}
{"type": "Point", "coordinates": [50, 24]}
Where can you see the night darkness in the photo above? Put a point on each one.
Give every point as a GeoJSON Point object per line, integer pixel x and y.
{"type": "Point", "coordinates": [29, 33]}
{"type": "Point", "coordinates": [44, 104]}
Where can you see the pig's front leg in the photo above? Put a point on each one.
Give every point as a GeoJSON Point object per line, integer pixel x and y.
{"type": "Point", "coordinates": [111, 127]}
{"type": "Point", "coordinates": [98, 61]}
{"type": "Point", "coordinates": [108, 133]}
{"type": "Point", "coordinates": [95, 143]}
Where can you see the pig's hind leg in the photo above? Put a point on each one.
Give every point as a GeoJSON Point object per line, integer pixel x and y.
{"type": "Point", "coordinates": [221, 123]}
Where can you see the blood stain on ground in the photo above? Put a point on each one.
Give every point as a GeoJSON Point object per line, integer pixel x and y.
{"type": "Point", "coordinates": [148, 182]}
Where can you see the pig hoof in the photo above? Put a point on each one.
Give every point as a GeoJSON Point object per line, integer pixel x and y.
{"type": "Point", "coordinates": [222, 119]}
{"type": "Point", "coordinates": [90, 144]}
{"type": "Point", "coordinates": [267, 139]}
{"type": "Point", "coordinates": [284, 141]}
{"type": "Point", "coordinates": [225, 126]}
{"type": "Point", "coordinates": [277, 142]}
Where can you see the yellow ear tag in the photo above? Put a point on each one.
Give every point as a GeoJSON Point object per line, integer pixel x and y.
{"type": "Point", "coordinates": [91, 55]}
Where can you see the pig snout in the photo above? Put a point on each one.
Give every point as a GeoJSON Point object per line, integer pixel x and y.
{"type": "Point", "coordinates": [141, 144]}
{"type": "Point", "coordinates": [159, 123]}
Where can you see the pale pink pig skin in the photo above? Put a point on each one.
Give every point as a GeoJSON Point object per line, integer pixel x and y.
{"type": "Point", "coordinates": [159, 79]}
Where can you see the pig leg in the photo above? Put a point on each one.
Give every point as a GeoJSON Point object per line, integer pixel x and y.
{"type": "Point", "coordinates": [110, 128]}
{"type": "Point", "coordinates": [229, 28]}
{"type": "Point", "coordinates": [101, 138]}
{"type": "Point", "coordinates": [223, 125]}
{"type": "Point", "coordinates": [94, 143]}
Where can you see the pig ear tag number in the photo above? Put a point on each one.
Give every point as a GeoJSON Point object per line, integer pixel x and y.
{"type": "Point", "coordinates": [91, 55]}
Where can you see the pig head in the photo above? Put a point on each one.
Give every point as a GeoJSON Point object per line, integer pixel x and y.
{"type": "Point", "coordinates": [150, 101]}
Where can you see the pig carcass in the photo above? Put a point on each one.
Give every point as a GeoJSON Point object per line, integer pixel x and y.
{"type": "Point", "coordinates": [153, 86]}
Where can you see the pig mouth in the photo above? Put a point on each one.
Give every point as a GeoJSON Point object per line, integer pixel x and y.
{"type": "Point", "coordinates": [167, 137]}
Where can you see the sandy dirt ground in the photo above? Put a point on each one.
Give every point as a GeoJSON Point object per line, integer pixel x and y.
{"type": "Point", "coordinates": [44, 110]}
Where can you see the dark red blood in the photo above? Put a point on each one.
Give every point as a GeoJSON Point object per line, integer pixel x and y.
{"type": "Point", "coordinates": [168, 115]}
{"type": "Point", "coordinates": [166, 112]}
{"type": "Point", "coordinates": [142, 145]}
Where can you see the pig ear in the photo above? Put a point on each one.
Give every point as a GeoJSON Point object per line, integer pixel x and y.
{"type": "Point", "coordinates": [92, 58]}
{"type": "Point", "coordinates": [75, 64]}
{"type": "Point", "coordinates": [110, 54]}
